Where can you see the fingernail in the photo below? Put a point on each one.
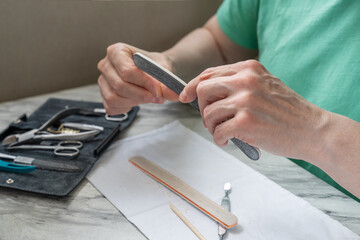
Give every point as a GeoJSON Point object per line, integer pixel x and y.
{"type": "Point", "coordinates": [158, 91]}
{"type": "Point", "coordinates": [160, 100]}
{"type": "Point", "coordinates": [152, 90]}
{"type": "Point", "coordinates": [183, 97]}
{"type": "Point", "coordinates": [224, 144]}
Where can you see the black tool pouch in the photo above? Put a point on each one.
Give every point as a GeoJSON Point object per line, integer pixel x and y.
{"type": "Point", "coordinates": [58, 183]}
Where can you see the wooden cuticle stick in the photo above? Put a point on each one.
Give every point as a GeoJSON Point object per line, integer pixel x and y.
{"type": "Point", "coordinates": [187, 222]}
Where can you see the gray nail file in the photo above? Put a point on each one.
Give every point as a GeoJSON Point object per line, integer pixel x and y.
{"type": "Point", "coordinates": [177, 85]}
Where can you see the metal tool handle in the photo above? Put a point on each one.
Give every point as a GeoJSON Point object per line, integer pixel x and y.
{"type": "Point", "coordinates": [71, 144]}
{"type": "Point", "coordinates": [16, 168]}
{"type": "Point", "coordinates": [83, 126]}
{"type": "Point", "coordinates": [177, 85]}
{"type": "Point", "coordinates": [66, 151]}
{"type": "Point", "coordinates": [23, 167]}
{"type": "Point", "coordinates": [68, 148]}
{"type": "Point", "coordinates": [61, 114]}
{"type": "Point", "coordinates": [225, 203]}
{"type": "Point", "coordinates": [65, 136]}
{"type": "Point", "coordinates": [7, 156]}
{"type": "Point", "coordinates": [102, 111]}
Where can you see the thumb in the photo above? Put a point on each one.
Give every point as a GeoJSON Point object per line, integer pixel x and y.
{"type": "Point", "coordinates": [189, 92]}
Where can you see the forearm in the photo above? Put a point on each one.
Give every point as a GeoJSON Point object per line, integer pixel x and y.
{"type": "Point", "coordinates": [194, 53]}
{"type": "Point", "coordinates": [203, 48]}
{"type": "Point", "coordinates": [339, 152]}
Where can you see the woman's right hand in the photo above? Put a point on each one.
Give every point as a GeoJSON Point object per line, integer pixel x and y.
{"type": "Point", "coordinates": [123, 85]}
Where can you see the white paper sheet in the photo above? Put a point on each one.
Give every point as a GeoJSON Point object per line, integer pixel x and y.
{"type": "Point", "coordinates": [264, 209]}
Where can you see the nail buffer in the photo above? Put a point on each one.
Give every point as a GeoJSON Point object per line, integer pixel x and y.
{"type": "Point", "coordinates": [177, 85]}
{"type": "Point", "coordinates": [203, 203]}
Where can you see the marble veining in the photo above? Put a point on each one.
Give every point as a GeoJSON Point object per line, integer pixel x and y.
{"type": "Point", "coordinates": [86, 214]}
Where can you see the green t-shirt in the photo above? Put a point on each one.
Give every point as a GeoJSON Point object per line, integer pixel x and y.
{"type": "Point", "coordinates": [312, 46]}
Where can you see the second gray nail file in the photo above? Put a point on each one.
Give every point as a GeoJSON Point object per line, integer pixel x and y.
{"type": "Point", "coordinates": [177, 85]}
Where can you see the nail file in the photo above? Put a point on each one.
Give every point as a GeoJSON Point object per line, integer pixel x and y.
{"type": "Point", "coordinates": [177, 85]}
{"type": "Point", "coordinates": [203, 203]}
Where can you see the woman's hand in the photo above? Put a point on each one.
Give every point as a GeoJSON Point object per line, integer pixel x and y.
{"type": "Point", "coordinates": [123, 85]}
{"type": "Point", "coordinates": [243, 100]}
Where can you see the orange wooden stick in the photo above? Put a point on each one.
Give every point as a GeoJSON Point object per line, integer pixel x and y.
{"type": "Point", "coordinates": [187, 222]}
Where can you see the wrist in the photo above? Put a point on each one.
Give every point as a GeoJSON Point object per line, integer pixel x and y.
{"type": "Point", "coordinates": [334, 140]}
{"type": "Point", "coordinates": [339, 157]}
{"type": "Point", "coordinates": [169, 61]}
{"type": "Point", "coordinates": [312, 146]}
{"type": "Point", "coordinates": [320, 143]}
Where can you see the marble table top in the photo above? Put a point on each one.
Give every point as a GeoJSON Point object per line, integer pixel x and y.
{"type": "Point", "coordinates": [86, 214]}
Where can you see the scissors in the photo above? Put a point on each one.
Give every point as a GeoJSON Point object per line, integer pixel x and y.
{"type": "Point", "coordinates": [63, 148]}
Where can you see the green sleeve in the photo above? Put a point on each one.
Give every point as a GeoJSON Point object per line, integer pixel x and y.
{"type": "Point", "coordinates": [238, 20]}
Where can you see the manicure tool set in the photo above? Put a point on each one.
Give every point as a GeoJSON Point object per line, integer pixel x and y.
{"type": "Point", "coordinates": [54, 148]}
{"type": "Point", "coordinates": [68, 139]}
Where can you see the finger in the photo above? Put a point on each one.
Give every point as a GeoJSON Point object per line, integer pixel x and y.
{"type": "Point", "coordinates": [223, 132]}
{"type": "Point", "coordinates": [115, 111]}
{"type": "Point", "coordinates": [210, 91]}
{"type": "Point", "coordinates": [112, 99]}
{"type": "Point", "coordinates": [124, 65]}
{"type": "Point", "coordinates": [220, 71]}
{"type": "Point", "coordinates": [113, 103]}
{"type": "Point", "coordinates": [131, 91]}
{"type": "Point", "coordinates": [189, 94]}
{"type": "Point", "coordinates": [217, 113]}
{"type": "Point", "coordinates": [239, 126]}
{"type": "Point", "coordinates": [108, 72]}
{"type": "Point", "coordinates": [168, 93]}
{"type": "Point", "coordinates": [125, 89]}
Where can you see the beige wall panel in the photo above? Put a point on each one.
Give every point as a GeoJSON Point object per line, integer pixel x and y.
{"type": "Point", "coordinates": [51, 45]}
